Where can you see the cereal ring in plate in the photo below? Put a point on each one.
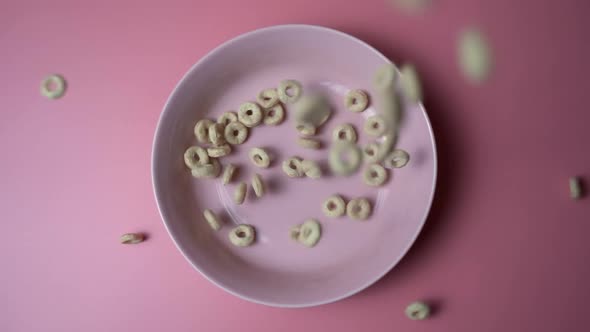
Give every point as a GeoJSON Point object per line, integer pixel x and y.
{"type": "Point", "coordinates": [375, 175]}
{"type": "Point", "coordinates": [240, 193]}
{"type": "Point", "coordinates": [292, 167]}
{"type": "Point", "coordinates": [334, 206]}
{"type": "Point", "coordinates": [228, 173]}
{"type": "Point", "coordinates": [274, 116]}
{"type": "Point", "coordinates": [345, 158]}
{"type": "Point", "coordinates": [311, 169]}
{"type": "Point", "coordinates": [375, 126]}
{"type": "Point", "coordinates": [236, 133]}
{"type": "Point", "coordinates": [306, 129]}
{"type": "Point", "coordinates": [258, 185]}
{"type": "Point", "coordinates": [217, 134]}
{"type": "Point", "coordinates": [242, 235]}
{"type": "Point", "coordinates": [195, 156]}
{"type": "Point", "coordinates": [398, 158]}
{"type": "Point", "coordinates": [250, 114]}
{"type": "Point", "coordinates": [227, 118]}
{"type": "Point", "coordinates": [53, 86]}
{"type": "Point", "coordinates": [289, 91]}
{"type": "Point", "coordinates": [210, 170]}
{"type": "Point", "coordinates": [219, 151]}
{"type": "Point", "coordinates": [344, 132]}
{"type": "Point", "coordinates": [309, 143]}
{"type": "Point", "coordinates": [309, 233]}
{"type": "Point", "coordinates": [212, 219]}
{"type": "Point", "coordinates": [267, 98]}
{"type": "Point", "coordinates": [202, 130]}
{"type": "Point", "coordinates": [358, 209]}
{"type": "Point", "coordinates": [371, 152]}
{"type": "Point", "coordinates": [356, 100]}
{"type": "Point", "coordinates": [259, 157]}
{"type": "Point", "coordinates": [417, 311]}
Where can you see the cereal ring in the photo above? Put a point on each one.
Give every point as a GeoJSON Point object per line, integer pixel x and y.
{"type": "Point", "coordinates": [219, 151]}
{"type": "Point", "coordinates": [289, 91]}
{"type": "Point", "coordinates": [358, 209]}
{"type": "Point", "coordinates": [375, 126]}
{"type": "Point", "coordinates": [294, 232]}
{"type": "Point", "coordinates": [227, 118]}
{"type": "Point", "coordinates": [236, 133]}
{"type": "Point", "coordinates": [309, 233]}
{"type": "Point", "coordinates": [345, 158]}
{"type": "Point", "coordinates": [210, 170]}
{"type": "Point", "coordinates": [311, 169]}
{"type": "Point", "coordinates": [250, 114]}
{"type": "Point", "coordinates": [53, 86]}
{"type": "Point", "coordinates": [475, 57]}
{"type": "Point", "coordinates": [132, 238]}
{"type": "Point", "coordinates": [371, 152]}
{"type": "Point", "coordinates": [410, 82]}
{"type": "Point", "coordinates": [417, 311]}
{"type": "Point", "coordinates": [306, 129]}
{"type": "Point", "coordinates": [212, 219]}
{"type": "Point", "coordinates": [202, 130]}
{"type": "Point", "coordinates": [314, 110]}
{"type": "Point", "coordinates": [267, 98]}
{"type": "Point", "coordinates": [216, 134]}
{"type": "Point", "coordinates": [292, 167]}
{"type": "Point", "coordinates": [356, 100]}
{"type": "Point", "coordinates": [195, 156]}
{"type": "Point", "coordinates": [344, 132]}
{"type": "Point", "coordinates": [258, 185]}
{"type": "Point", "coordinates": [576, 191]}
{"type": "Point", "coordinates": [398, 158]}
{"type": "Point", "coordinates": [259, 157]}
{"type": "Point", "coordinates": [384, 78]}
{"type": "Point", "coordinates": [242, 235]}
{"type": "Point", "coordinates": [375, 175]}
{"type": "Point", "coordinates": [228, 173]}
{"type": "Point", "coordinates": [274, 116]}
{"type": "Point", "coordinates": [334, 206]}
{"type": "Point", "coordinates": [309, 143]}
{"type": "Point", "coordinates": [240, 193]}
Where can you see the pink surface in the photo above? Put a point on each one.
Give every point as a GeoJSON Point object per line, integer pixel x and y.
{"type": "Point", "coordinates": [351, 255]}
{"type": "Point", "coordinates": [504, 248]}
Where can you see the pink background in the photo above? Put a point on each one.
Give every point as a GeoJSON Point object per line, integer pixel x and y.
{"type": "Point", "coordinates": [504, 247]}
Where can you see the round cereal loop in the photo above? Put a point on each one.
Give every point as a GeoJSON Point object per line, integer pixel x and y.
{"type": "Point", "coordinates": [398, 158]}
{"type": "Point", "coordinates": [259, 157]}
{"type": "Point", "coordinates": [309, 233]}
{"type": "Point", "coordinates": [312, 109]}
{"type": "Point", "coordinates": [212, 219]}
{"type": "Point", "coordinates": [236, 133]}
{"type": "Point", "coordinates": [371, 152]}
{"type": "Point", "coordinates": [289, 91]}
{"type": "Point", "coordinates": [216, 134]}
{"type": "Point", "coordinates": [202, 130]}
{"type": "Point", "coordinates": [132, 238]}
{"type": "Point", "coordinates": [228, 173]}
{"type": "Point", "coordinates": [242, 235]}
{"type": "Point", "coordinates": [53, 86]}
{"type": "Point", "coordinates": [250, 114]}
{"type": "Point", "coordinates": [345, 158]}
{"type": "Point", "coordinates": [344, 132]}
{"type": "Point", "coordinates": [311, 169]}
{"type": "Point", "coordinates": [356, 100]}
{"type": "Point", "coordinates": [358, 209]}
{"type": "Point", "coordinates": [274, 116]}
{"type": "Point", "coordinates": [267, 98]}
{"type": "Point", "coordinates": [417, 311]}
{"type": "Point", "coordinates": [375, 175]}
{"type": "Point", "coordinates": [210, 170]}
{"type": "Point", "coordinates": [375, 126]}
{"type": "Point", "coordinates": [384, 77]}
{"type": "Point", "coordinates": [258, 185]}
{"type": "Point", "coordinates": [292, 167]}
{"type": "Point", "coordinates": [334, 206]}
{"type": "Point", "coordinates": [240, 193]}
{"type": "Point", "coordinates": [309, 143]}
{"type": "Point", "coordinates": [227, 118]}
{"type": "Point", "coordinates": [195, 156]}
{"type": "Point", "coordinates": [410, 82]}
{"type": "Point", "coordinates": [306, 129]}
{"type": "Point", "coordinates": [219, 151]}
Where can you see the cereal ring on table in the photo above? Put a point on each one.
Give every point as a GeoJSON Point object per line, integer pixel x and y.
{"type": "Point", "coordinates": [274, 116]}
{"type": "Point", "coordinates": [344, 132]}
{"type": "Point", "coordinates": [210, 170]}
{"type": "Point", "coordinates": [212, 219]}
{"type": "Point", "coordinates": [306, 129]}
{"type": "Point", "coordinates": [385, 77]}
{"type": "Point", "coordinates": [311, 169]}
{"type": "Point", "coordinates": [195, 156]}
{"type": "Point", "coordinates": [259, 157]}
{"type": "Point", "coordinates": [267, 98]}
{"type": "Point", "coordinates": [289, 91]}
{"type": "Point", "coordinates": [250, 114]}
{"type": "Point", "coordinates": [309, 233]}
{"type": "Point", "coordinates": [358, 209]}
{"type": "Point", "coordinates": [53, 86]}
{"type": "Point", "coordinates": [356, 100]}
{"type": "Point", "coordinates": [292, 167]}
{"type": "Point", "coordinates": [219, 151]}
{"type": "Point", "coordinates": [202, 130]}
{"type": "Point", "coordinates": [398, 158]}
{"type": "Point", "coordinates": [345, 158]}
{"type": "Point", "coordinates": [217, 134]}
{"type": "Point", "coordinates": [132, 238]}
{"type": "Point", "coordinates": [242, 235]}
{"type": "Point", "coordinates": [294, 232]}
{"type": "Point", "coordinates": [417, 311]}
{"type": "Point", "coordinates": [334, 206]}
{"type": "Point", "coordinates": [375, 126]}
{"type": "Point", "coordinates": [228, 173]}
{"type": "Point", "coordinates": [371, 152]}
{"type": "Point", "coordinates": [227, 118]}
{"type": "Point", "coordinates": [258, 185]}
{"type": "Point", "coordinates": [236, 133]}
{"type": "Point", "coordinates": [410, 82]}
{"type": "Point", "coordinates": [309, 143]}
{"type": "Point", "coordinates": [375, 175]}
{"type": "Point", "coordinates": [240, 193]}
